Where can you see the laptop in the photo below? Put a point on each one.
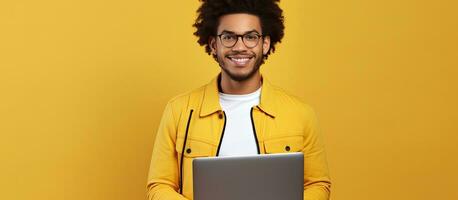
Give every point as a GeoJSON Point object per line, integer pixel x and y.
{"type": "Point", "coordinates": [257, 177]}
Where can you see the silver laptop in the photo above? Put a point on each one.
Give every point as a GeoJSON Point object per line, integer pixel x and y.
{"type": "Point", "coordinates": [258, 177]}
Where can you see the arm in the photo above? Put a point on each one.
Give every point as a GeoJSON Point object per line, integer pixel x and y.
{"type": "Point", "coordinates": [163, 173]}
{"type": "Point", "coordinates": [317, 184]}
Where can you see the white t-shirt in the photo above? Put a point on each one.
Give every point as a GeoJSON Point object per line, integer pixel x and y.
{"type": "Point", "coordinates": [238, 138]}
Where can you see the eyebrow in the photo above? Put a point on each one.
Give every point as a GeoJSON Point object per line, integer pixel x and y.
{"type": "Point", "coordinates": [232, 32]}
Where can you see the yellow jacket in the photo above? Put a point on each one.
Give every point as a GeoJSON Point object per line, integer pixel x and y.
{"type": "Point", "coordinates": [281, 123]}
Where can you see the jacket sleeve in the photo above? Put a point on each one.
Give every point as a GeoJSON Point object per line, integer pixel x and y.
{"type": "Point", "coordinates": [317, 183]}
{"type": "Point", "coordinates": [163, 173]}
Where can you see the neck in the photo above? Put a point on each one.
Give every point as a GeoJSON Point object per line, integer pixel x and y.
{"type": "Point", "coordinates": [229, 86]}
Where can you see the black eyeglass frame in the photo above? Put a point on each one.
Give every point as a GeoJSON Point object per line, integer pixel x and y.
{"type": "Point", "coordinates": [241, 36]}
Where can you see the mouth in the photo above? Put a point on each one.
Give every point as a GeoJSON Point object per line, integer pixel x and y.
{"type": "Point", "coordinates": [240, 60]}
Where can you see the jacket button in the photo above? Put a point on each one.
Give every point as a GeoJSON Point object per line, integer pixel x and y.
{"type": "Point", "coordinates": [188, 150]}
{"type": "Point", "coordinates": [220, 116]}
{"type": "Point", "coordinates": [287, 148]}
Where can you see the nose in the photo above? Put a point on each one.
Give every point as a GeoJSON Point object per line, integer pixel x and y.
{"type": "Point", "coordinates": [239, 45]}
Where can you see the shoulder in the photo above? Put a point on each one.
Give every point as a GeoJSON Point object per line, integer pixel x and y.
{"type": "Point", "coordinates": [184, 100]}
{"type": "Point", "coordinates": [292, 110]}
{"type": "Point", "coordinates": [289, 101]}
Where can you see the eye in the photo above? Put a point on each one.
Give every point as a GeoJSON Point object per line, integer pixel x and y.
{"type": "Point", "coordinates": [251, 37]}
{"type": "Point", "coordinates": [228, 37]}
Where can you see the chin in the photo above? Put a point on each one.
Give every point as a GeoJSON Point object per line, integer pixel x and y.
{"type": "Point", "coordinates": [241, 76]}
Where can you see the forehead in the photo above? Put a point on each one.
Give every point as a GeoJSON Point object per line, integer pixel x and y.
{"type": "Point", "coordinates": [239, 23]}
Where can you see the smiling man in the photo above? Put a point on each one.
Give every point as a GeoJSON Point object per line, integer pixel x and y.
{"type": "Point", "coordinates": [239, 112]}
{"type": "Point", "coordinates": [240, 60]}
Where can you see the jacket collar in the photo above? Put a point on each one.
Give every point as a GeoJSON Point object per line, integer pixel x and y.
{"type": "Point", "coordinates": [210, 102]}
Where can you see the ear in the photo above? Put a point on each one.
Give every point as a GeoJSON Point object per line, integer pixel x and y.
{"type": "Point", "coordinates": [266, 45]}
{"type": "Point", "coordinates": [212, 44]}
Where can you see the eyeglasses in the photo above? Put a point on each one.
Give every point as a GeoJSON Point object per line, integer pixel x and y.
{"type": "Point", "coordinates": [230, 39]}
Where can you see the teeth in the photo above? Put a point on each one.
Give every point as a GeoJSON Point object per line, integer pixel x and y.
{"type": "Point", "coordinates": [240, 59]}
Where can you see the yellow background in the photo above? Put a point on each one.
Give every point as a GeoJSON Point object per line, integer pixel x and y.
{"type": "Point", "coordinates": [83, 85]}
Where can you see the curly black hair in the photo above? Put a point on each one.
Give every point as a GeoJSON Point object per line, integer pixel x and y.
{"type": "Point", "coordinates": [268, 11]}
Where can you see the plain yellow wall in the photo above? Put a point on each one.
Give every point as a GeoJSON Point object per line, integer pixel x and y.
{"type": "Point", "coordinates": [83, 85]}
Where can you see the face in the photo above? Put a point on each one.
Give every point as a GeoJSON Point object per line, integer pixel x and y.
{"type": "Point", "coordinates": [239, 62]}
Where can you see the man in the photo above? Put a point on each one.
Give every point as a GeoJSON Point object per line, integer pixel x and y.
{"type": "Point", "coordinates": [239, 112]}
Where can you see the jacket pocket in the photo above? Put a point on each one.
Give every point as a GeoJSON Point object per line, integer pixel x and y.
{"type": "Point", "coordinates": [284, 144]}
{"type": "Point", "coordinates": [194, 148]}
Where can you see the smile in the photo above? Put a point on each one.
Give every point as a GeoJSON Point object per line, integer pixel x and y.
{"type": "Point", "coordinates": [240, 60]}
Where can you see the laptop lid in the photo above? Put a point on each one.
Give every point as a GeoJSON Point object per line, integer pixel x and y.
{"type": "Point", "coordinates": [257, 177]}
